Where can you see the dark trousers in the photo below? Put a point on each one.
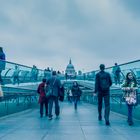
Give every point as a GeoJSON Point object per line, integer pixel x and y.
{"type": "Point", "coordinates": [130, 109]}
{"type": "Point", "coordinates": [106, 98]}
{"type": "Point", "coordinates": [0, 76]}
{"type": "Point", "coordinates": [42, 104]}
{"type": "Point", "coordinates": [16, 80]}
{"type": "Point", "coordinates": [117, 79]}
{"type": "Point", "coordinates": [56, 102]}
{"type": "Point", "coordinates": [75, 100]}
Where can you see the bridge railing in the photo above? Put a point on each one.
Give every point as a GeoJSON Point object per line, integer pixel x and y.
{"type": "Point", "coordinates": [13, 73]}
{"type": "Point", "coordinates": [17, 99]}
{"type": "Point", "coordinates": [133, 67]}
{"type": "Point", "coordinates": [116, 93]}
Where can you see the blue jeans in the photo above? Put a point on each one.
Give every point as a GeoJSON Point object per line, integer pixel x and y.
{"type": "Point", "coordinates": [44, 102]}
{"type": "Point", "coordinates": [57, 108]}
{"type": "Point", "coordinates": [130, 109]}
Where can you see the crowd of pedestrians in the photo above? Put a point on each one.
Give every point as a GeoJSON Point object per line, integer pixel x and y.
{"type": "Point", "coordinates": [54, 85]}
{"type": "Point", "coordinates": [48, 99]}
{"type": "Point", "coordinates": [103, 82]}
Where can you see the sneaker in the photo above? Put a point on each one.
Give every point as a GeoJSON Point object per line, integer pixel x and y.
{"type": "Point", "coordinates": [130, 123]}
{"type": "Point", "coordinates": [49, 118]}
{"type": "Point", "coordinates": [57, 117]}
{"type": "Point", "coordinates": [41, 116]}
{"type": "Point", "coordinates": [107, 123]}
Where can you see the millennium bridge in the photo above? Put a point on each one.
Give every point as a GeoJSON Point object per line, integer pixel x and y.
{"type": "Point", "coordinates": [19, 108]}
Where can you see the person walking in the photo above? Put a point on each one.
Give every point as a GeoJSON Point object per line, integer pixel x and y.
{"type": "Point", "coordinates": [43, 100]}
{"type": "Point", "coordinates": [2, 63]}
{"type": "Point", "coordinates": [116, 73]}
{"type": "Point", "coordinates": [16, 75]}
{"type": "Point", "coordinates": [102, 87]}
{"type": "Point", "coordinates": [130, 94]}
{"type": "Point", "coordinates": [55, 84]}
{"type": "Point", "coordinates": [76, 92]}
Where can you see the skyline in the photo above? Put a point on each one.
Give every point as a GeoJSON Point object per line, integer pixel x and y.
{"type": "Point", "coordinates": [48, 33]}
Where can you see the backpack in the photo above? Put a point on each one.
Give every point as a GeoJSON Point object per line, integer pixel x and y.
{"type": "Point", "coordinates": [104, 81]}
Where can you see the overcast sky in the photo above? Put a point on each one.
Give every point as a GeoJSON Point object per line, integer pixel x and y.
{"type": "Point", "coordinates": [50, 32]}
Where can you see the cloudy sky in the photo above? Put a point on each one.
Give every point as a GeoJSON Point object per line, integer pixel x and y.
{"type": "Point", "coordinates": [50, 32]}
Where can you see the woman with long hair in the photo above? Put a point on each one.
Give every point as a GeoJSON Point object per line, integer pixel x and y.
{"type": "Point", "coordinates": [130, 94]}
{"type": "Point", "coordinates": [76, 92]}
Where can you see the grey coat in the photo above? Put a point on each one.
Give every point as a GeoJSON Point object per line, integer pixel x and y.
{"type": "Point", "coordinates": [55, 83]}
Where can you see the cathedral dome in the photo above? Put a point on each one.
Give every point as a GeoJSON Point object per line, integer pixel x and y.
{"type": "Point", "coordinates": [70, 66]}
{"type": "Point", "coordinates": [70, 71]}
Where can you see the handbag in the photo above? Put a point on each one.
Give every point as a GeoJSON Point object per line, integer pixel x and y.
{"type": "Point", "coordinates": [61, 94]}
{"type": "Point", "coordinates": [61, 98]}
{"type": "Point", "coordinates": [131, 98]}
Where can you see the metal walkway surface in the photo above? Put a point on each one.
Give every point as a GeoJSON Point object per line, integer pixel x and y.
{"type": "Point", "coordinates": [72, 125]}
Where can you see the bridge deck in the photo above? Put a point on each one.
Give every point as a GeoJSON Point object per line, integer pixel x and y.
{"type": "Point", "coordinates": [72, 125]}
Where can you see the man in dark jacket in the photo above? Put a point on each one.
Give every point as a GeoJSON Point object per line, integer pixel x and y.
{"type": "Point", "coordinates": [2, 63]}
{"type": "Point", "coordinates": [102, 86]}
{"type": "Point", "coordinates": [55, 84]}
{"type": "Point", "coordinates": [43, 100]}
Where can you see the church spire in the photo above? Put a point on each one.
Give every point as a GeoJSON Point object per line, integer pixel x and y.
{"type": "Point", "coordinates": [70, 61]}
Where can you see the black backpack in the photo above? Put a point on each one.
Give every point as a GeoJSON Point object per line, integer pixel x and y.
{"type": "Point", "coordinates": [104, 80]}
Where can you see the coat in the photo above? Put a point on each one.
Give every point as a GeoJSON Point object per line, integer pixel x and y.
{"type": "Point", "coordinates": [2, 63]}
{"type": "Point", "coordinates": [41, 92]}
{"type": "Point", "coordinates": [98, 81]}
{"type": "Point", "coordinates": [55, 84]}
{"type": "Point", "coordinates": [76, 91]}
{"type": "Point", "coordinates": [130, 93]}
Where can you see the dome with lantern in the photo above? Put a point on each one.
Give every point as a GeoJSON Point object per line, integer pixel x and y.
{"type": "Point", "coordinates": [70, 71]}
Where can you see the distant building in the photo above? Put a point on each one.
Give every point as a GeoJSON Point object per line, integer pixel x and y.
{"type": "Point", "coordinates": [79, 72]}
{"type": "Point", "coordinates": [70, 71]}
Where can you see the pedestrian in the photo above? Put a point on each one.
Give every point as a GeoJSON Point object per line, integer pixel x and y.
{"type": "Point", "coordinates": [130, 94]}
{"type": "Point", "coordinates": [102, 87]}
{"type": "Point", "coordinates": [2, 63]}
{"type": "Point", "coordinates": [43, 100]}
{"type": "Point", "coordinates": [116, 74]}
{"type": "Point", "coordinates": [70, 96]}
{"type": "Point", "coordinates": [47, 73]}
{"type": "Point", "coordinates": [55, 84]}
{"type": "Point", "coordinates": [16, 75]}
{"type": "Point", "coordinates": [76, 92]}
{"type": "Point", "coordinates": [34, 73]}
